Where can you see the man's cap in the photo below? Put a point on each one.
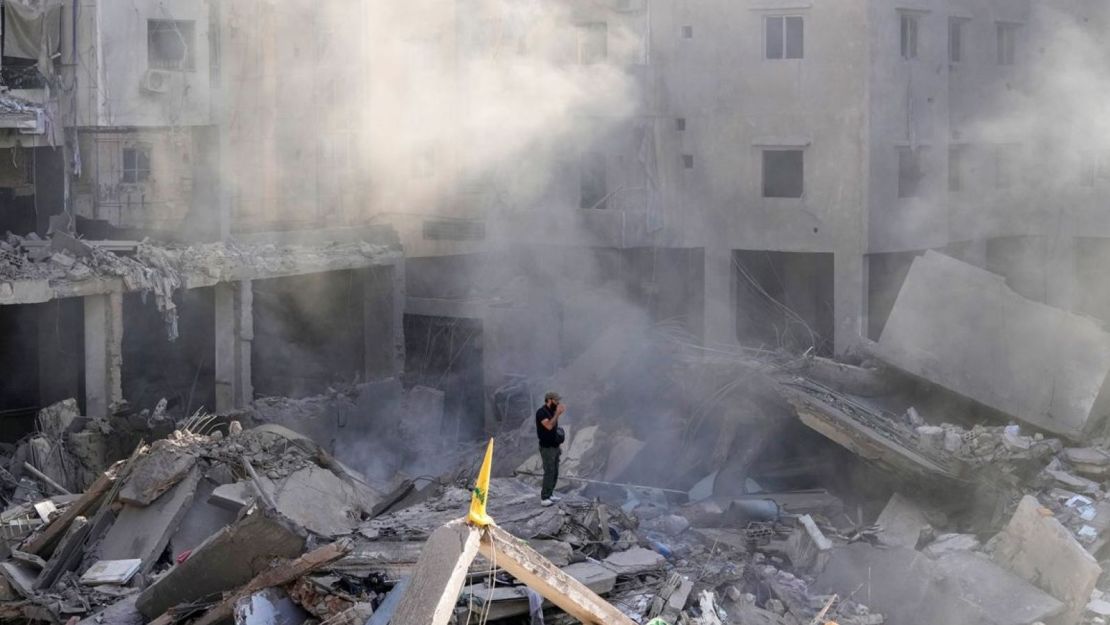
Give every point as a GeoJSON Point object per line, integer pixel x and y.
{"type": "Point", "coordinates": [552, 395]}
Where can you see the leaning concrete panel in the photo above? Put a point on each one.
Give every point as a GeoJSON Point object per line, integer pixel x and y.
{"type": "Point", "coordinates": [961, 327]}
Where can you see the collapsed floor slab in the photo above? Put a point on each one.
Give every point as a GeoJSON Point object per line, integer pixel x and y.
{"type": "Point", "coordinates": [963, 328]}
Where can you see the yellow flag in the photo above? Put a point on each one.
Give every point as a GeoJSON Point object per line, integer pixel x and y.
{"type": "Point", "coordinates": [480, 494]}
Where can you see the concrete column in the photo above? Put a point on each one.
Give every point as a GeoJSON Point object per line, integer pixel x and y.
{"type": "Point", "coordinates": [383, 312]}
{"type": "Point", "coordinates": [103, 352]}
{"type": "Point", "coordinates": [849, 300]}
{"type": "Point", "coordinates": [720, 299]}
{"type": "Point", "coordinates": [234, 336]}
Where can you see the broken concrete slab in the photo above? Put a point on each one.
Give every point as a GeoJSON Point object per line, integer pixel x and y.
{"type": "Point", "coordinates": [870, 436]}
{"type": "Point", "coordinates": [321, 502]}
{"type": "Point", "coordinates": [439, 576]}
{"type": "Point", "coordinates": [808, 547]}
{"type": "Point", "coordinates": [122, 612]}
{"type": "Point", "coordinates": [947, 543]}
{"type": "Point", "coordinates": [909, 588]}
{"type": "Point", "coordinates": [227, 560]}
{"type": "Point", "coordinates": [233, 497]}
{"type": "Point", "coordinates": [902, 522]}
{"type": "Point", "coordinates": [55, 420]}
{"type": "Point", "coordinates": [144, 532]}
{"type": "Point", "coordinates": [155, 473]}
{"type": "Point", "coordinates": [1088, 461]}
{"type": "Point", "coordinates": [634, 561]}
{"type": "Point", "coordinates": [1070, 481]}
{"type": "Point", "coordinates": [970, 581]}
{"type": "Point", "coordinates": [19, 576]}
{"type": "Point", "coordinates": [1042, 365]}
{"type": "Point", "coordinates": [202, 519]}
{"type": "Point", "coordinates": [557, 551]}
{"type": "Point", "coordinates": [1037, 547]}
{"type": "Point", "coordinates": [111, 572]}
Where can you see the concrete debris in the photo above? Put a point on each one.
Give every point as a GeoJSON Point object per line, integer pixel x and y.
{"type": "Point", "coordinates": [947, 543]}
{"type": "Point", "coordinates": [1037, 547]}
{"type": "Point", "coordinates": [901, 523]}
{"type": "Point", "coordinates": [634, 561]}
{"type": "Point", "coordinates": [1043, 366]}
{"type": "Point", "coordinates": [111, 572]}
{"type": "Point", "coordinates": [165, 465]}
{"type": "Point", "coordinates": [796, 487]}
{"type": "Point", "coordinates": [144, 532]}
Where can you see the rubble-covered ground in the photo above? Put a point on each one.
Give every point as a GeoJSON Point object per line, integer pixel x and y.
{"type": "Point", "coordinates": [700, 486]}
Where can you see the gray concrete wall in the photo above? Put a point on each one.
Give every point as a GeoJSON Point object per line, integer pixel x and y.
{"type": "Point", "coordinates": [112, 44]}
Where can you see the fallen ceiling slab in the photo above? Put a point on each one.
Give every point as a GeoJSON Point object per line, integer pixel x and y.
{"type": "Point", "coordinates": [962, 328]}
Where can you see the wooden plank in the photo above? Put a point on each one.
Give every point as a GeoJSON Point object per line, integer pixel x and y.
{"type": "Point", "coordinates": [275, 576]}
{"type": "Point", "coordinates": [439, 576]}
{"type": "Point", "coordinates": [58, 526]}
{"type": "Point", "coordinates": [523, 563]}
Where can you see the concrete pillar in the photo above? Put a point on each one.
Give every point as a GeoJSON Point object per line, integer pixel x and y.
{"type": "Point", "coordinates": [849, 298]}
{"type": "Point", "coordinates": [720, 299]}
{"type": "Point", "coordinates": [383, 312]}
{"type": "Point", "coordinates": [103, 352]}
{"type": "Point", "coordinates": [234, 336]}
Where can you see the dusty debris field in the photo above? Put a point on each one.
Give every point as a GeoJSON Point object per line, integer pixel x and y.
{"type": "Point", "coordinates": [745, 487]}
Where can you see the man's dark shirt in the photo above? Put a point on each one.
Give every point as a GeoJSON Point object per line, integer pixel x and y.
{"type": "Point", "coordinates": [548, 438]}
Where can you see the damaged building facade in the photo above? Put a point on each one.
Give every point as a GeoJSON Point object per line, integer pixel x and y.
{"type": "Point", "coordinates": [821, 283]}
{"type": "Point", "coordinates": [142, 128]}
{"type": "Point", "coordinates": [776, 190]}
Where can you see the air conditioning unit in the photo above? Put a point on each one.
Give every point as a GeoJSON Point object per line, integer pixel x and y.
{"type": "Point", "coordinates": [156, 81]}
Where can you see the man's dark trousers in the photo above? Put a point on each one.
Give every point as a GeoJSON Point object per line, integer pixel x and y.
{"type": "Point", "coordinates": [550, 457]}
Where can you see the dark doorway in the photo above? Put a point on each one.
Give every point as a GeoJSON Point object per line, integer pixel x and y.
{"type": "Point", "coordinates": [308, 333]}
{"type": "Point", "coordinates": [181, 371]}
{"type": "Point", "coordinates": [784, 300]}
{"type": "Point", "coordinates": [42, 356]}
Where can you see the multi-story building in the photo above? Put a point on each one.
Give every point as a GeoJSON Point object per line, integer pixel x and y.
{"type": "Point", "coordinates": [760, 171]}
{"type": "Point", "coordinates": [779, 166]}
{"type": "Point", "coordinates": [225, 131]}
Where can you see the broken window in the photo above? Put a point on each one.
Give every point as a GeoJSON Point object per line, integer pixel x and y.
{"type": "Point", "coordinates": [688, 161]}
{"type": "Point", "coordinates": [957, 168]}
{"type": "Point", "coordinates": [1007, 43]}
{"type": "Point", "coordinates": [783, 173]}
{"type": "Point", "coordinates": [136, 164]}
{"type": "Point", "coordinates": [1005, 165]}
{"type": "Point", "coordinates": [594, 190]}
{"type": "Point", "coordinates": [909, 35]}
{"type": "Point", "coordinates": [956, 39]}
{"type": "Point", "coordinates": [171, 44]}
{"type": "Point", "coordinates": [910, 171]}
{"type": "Point", "coordinates": [593, 43]}
{"type": "Point", "coordinates": [785, 37]}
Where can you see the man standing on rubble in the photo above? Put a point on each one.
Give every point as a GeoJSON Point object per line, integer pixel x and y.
{"type": "Point", "coordinates": [551, 437]}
